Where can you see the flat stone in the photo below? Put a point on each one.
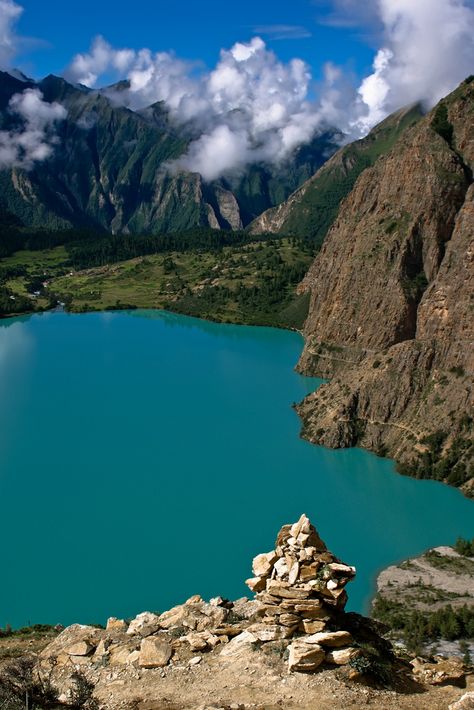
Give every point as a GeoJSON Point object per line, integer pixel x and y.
{"type": "Point", "coordinates": [308, 571]}
{"type": "Point", "coordinates": [271, 632]}
{"type": "Point", "coordinates": [144, 624]}
{"type": "Point", "coordinates": [119, 654]}
{"type": "Point", "coordinates": [293, 573]}
{"type": "Point", "coordinates": [238, 644]}
{"type": "Point", "coordinates": [311, 626]}
{"type": "Point", "coordinates": [341, 656]}
{"type": "Point", "coordinates": [283, 590]}
{"type": "Point", "coordinates": [68, 638]}
{"type": "Point", "coordinates": [333, 639]}
{"type": "Point", "coordinates": [154, 653]}
{"type": "Point", "coordinates": [196, 616]}
{"type": "Point", "coordinates": [262, 564]}
{"type": "Point", "coordinates": [289, 619]}
{"type": "Point", "coordinates": [81, 648]}
{"type": "Point", "coordinates": [195, 661]}
{"type": "Point", "coordinates": [197, 642]}
{"type": "Point", "coordinates": [256, 584]}
{"type": "Point", "coordinates": [304, 658]}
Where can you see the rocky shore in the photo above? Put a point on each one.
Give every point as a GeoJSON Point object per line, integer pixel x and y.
{"type": "Point", "coordinates": [291, 646]}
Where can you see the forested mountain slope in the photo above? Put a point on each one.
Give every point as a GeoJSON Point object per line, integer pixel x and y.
{"type": "Point", "coordinates": [109, 170]}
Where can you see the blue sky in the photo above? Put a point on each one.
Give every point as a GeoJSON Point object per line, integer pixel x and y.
{"type": "Point", "coordinates": [342, 63]}
{"type": "Point", "coordinates": [194, 30]}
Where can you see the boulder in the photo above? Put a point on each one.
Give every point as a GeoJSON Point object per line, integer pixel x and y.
{"type": "Point", "coordinates": [310, 626]}
{"type": "Point", "coordinates": [444, 671]}
{"type": "Point", "coordinates": [114, 624]}
{"type": "Point", "coordinates": [341, 656]}
{"type": "Point", "coordinates": [119, 654]}
{"type": "Point", "coordinates": [239, 644]}
{"type": "Point", "coordinates": [262, 564]}
{"type": "Point", "coordinates": [78, 638]}
{"type": "Point", "coordinates": [145, 624]}
{"type": "Point", "coordinates": [466, 702]}
{"type": "Point", "coordinates": [154, 652]}
{"type": "Point", "coordinates": [304, 658]}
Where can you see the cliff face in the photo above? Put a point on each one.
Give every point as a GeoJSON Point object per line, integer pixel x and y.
{"type": "Point", "coordinates": [391, 313]}
{"type": "Point", "coordinates": [311, 210]}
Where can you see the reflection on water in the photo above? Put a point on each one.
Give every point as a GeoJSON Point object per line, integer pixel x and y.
{"type": "Point", "coordinates": [145, 457]}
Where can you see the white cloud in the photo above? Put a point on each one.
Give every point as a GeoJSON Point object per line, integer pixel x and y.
{"type": "Point", "coordinates": [9, 14]}
{"type": "Point", "coordinates": [280, 32]}
{"type": "Point", "coordinates": [427, 50]}
{"type": "Point", "coordinates": [250, 107]}
{"type": "Point", "coordinates": [33, 141]}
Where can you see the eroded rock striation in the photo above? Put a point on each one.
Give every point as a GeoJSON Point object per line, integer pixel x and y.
{"type": "Point", "coordinates": [391, 313]}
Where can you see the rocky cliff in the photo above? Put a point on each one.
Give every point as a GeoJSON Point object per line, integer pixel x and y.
{"type": "Point", "coordinates": [311, 210]}
{"type": "Point", "coordinates": [391, 312]}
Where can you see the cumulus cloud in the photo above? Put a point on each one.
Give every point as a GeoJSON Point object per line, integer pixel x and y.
{"type": "Point", "coordinates": [250, 107]}
{"type": "Point", "coordinates": [9, 14]}
{"type": "Point", "coordinates": [427, 50]}
{"type": "Point", "coordinates": [34, 139]}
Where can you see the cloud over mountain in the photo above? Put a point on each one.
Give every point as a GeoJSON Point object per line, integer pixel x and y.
{"type": "Point", "coordinates": [33, 140]}
{"type": "Point", "coordinates": [427, 49]}
{"type": "Point", "coordinates": [253, 107]}
{"type": "Point", "coordinates": [250, 107]}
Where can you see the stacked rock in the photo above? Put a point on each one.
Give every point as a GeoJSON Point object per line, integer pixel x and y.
{"type": "Point", "coordinates": [301, 589]}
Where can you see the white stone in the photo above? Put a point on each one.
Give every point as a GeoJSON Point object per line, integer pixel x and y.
{"type": "Point", "coordinates": [154, 652]}
{"type": "Point", "coordinates": [144, 624]}
{"type": "Point", "coordinates": [304, 657]}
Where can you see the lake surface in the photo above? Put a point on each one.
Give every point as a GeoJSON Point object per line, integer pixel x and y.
{"type": "Point", "coordinates": [146, 457]}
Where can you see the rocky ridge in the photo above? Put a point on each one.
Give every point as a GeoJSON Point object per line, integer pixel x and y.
{"type": "Point", "coordinates": [109, 170]}
{"type": "Point", "coordinates": [248, 653]}
{"type": "Point", "coordinates": [390, 318]}
{"type": "Point", "coordinates": [310, 211]}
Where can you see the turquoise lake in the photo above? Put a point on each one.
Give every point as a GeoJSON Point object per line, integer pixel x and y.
{"type": "Point", "coordinates": [146, 457]}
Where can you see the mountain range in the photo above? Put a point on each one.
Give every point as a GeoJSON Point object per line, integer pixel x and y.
{"type": "Point", "coordinates": [109, 169]}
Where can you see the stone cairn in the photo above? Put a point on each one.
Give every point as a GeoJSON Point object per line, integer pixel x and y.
{"type": "Point", "coordinates": [301, 589]}
{"type": "Point", "coordinates": [299, 606]}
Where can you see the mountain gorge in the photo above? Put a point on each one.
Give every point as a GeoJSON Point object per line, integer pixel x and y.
{"type": "Point", "coordinates": [391, 312]}
{"type": "Point", "coordinates": [110, 170]}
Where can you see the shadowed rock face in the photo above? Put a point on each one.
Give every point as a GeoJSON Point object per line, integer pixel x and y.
{"type": "Point", "coordinates": [391, 313]}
